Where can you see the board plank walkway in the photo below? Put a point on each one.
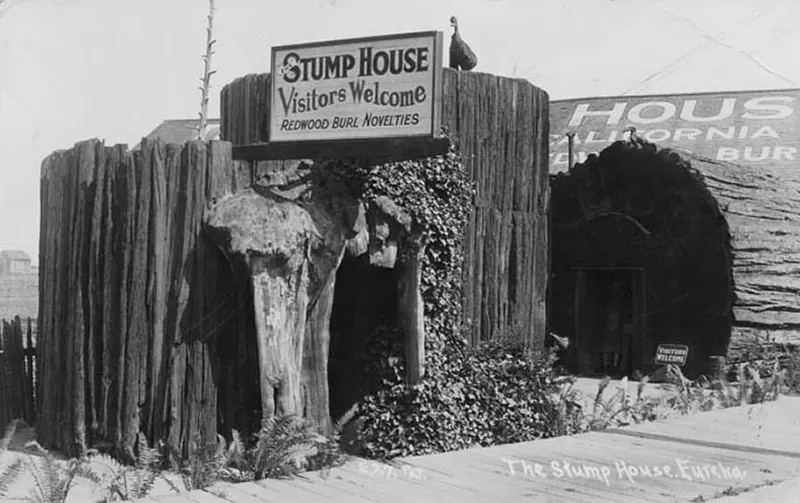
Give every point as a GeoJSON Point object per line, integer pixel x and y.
{"type": "Point", "coordinates": [751, 450]}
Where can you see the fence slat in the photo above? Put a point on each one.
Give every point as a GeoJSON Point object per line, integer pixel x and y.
{"type": "Point", "coordinates": [17, 369]}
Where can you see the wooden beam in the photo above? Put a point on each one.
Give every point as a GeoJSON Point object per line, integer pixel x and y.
{"type": "Point", "coordinates": [384, 149]}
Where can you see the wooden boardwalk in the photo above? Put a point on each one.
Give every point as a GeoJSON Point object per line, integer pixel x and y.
{"type": "Point", "coordinates": [751, 450]}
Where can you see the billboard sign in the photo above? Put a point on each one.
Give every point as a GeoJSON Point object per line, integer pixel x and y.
{"type": "Point", "coordinates": [367, 88]}
{"type": "Point", "coordinates": [749, 128]}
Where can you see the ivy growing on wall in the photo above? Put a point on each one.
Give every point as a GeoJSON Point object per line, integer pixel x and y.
{"type": "Point", "coordinates": [438, 195]}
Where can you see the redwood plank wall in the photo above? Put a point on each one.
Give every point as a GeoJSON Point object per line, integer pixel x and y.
{"type": "Point", "coordinates": [131, 299]}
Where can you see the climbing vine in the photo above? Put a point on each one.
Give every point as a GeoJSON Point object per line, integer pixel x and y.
{"type": "Point", "coordinates": [438, 194]}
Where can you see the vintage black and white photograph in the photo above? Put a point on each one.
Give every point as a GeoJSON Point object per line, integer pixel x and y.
{"type": "Point", "coordinates": [473, 251]}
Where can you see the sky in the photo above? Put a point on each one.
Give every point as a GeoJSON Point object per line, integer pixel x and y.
{"type": "Point", "coordinates": [71, 70]}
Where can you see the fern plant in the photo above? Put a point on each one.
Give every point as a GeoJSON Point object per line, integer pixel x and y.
{"type": "Point", "coordinates": [234, 461]}
{"type": "Point", "coordinates": [329, 452]}
{"type": "Point", "coordinates": [121, 482]}
{"type": "Point", "coordinates": [52, 483]}
{"type": "Point", "coordinates": [281, 449]}
{"type": "Point", "coordinates": [206, 463]}
{"type": "Point", "coordinates": [9, 474]}
{"type": "Point", "coordinates": [565, 414]}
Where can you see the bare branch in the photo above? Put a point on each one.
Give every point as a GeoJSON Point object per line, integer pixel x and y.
{"type": "Point", "coordinates": [207, 73]}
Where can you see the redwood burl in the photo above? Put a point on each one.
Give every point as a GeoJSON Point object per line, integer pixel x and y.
{"type": "Point", "coordinates": [643, 221]}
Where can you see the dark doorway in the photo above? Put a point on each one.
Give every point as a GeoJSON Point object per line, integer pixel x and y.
{"type": "Point", "coordinates": [609, 320]}
{"type": "Point", "coordinates": [364, 324]}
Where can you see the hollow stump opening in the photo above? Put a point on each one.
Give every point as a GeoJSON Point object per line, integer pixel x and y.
{"type": "Point", "coordinates": [635, 207]}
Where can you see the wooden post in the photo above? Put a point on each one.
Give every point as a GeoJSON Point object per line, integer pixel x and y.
{"type": "Point", "coordinates": [717, 368]}
{"type": "Point", "coordinates": [412, 314]}
{"type": "Point", "coordinates": [570, 149]}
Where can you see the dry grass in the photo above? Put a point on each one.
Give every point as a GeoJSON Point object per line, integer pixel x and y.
{"type": "Point", "coordinates": [631, 405]}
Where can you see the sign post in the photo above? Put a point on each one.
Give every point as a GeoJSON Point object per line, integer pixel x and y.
{"type": "Point", "coordinates": [366, 97]}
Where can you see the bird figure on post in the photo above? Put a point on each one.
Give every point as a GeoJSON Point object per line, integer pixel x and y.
{"type": "Point", "coordinates": [461, 55]}
{"type": "Point", "coordinates": [634, 138]}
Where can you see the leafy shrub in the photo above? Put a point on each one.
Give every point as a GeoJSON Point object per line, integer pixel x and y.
{"type": "Point", "coordinates": [495, 394]}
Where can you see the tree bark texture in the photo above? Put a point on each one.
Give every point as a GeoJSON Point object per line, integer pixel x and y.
{"type": "Point", "coordinates": [763, 212]}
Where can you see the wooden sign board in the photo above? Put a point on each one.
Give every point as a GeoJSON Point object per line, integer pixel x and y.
{"type": "Point", "coordinates": [378, 89]}
{"type": "Point", "coordinates": [674, 354]}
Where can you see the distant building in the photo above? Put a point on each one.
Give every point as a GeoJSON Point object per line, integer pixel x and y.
{"type": "Point", "coordinates": [14, 262]}
{"type": "Point", "coordinates": [182, 130]}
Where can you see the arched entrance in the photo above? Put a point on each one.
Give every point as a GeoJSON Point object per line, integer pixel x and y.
{"type": "Point", "coordinates": [641, 256]}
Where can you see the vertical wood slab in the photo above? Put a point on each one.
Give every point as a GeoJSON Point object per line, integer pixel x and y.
{"type": "Point", "coordinates": [79, 315]}
{"type": "Point", "coordinates": [157, 291]}
{"type": "Point", "coordinates": [111, 291]}
{"type": "Point", "coordinates": [46, 293]}
{"type": "Point", "coordinates": [175, 210]}
{"type": "Point", "coordinates": [94, 323]}
{"type": "Point", "coordinates": [315, 392]}
{"type": "Point", "coordinates": [63, 366]}
{"type": "Point", "coordinates": [280, 299]}
{"type": "Point", "coordinates": [138, 330]}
